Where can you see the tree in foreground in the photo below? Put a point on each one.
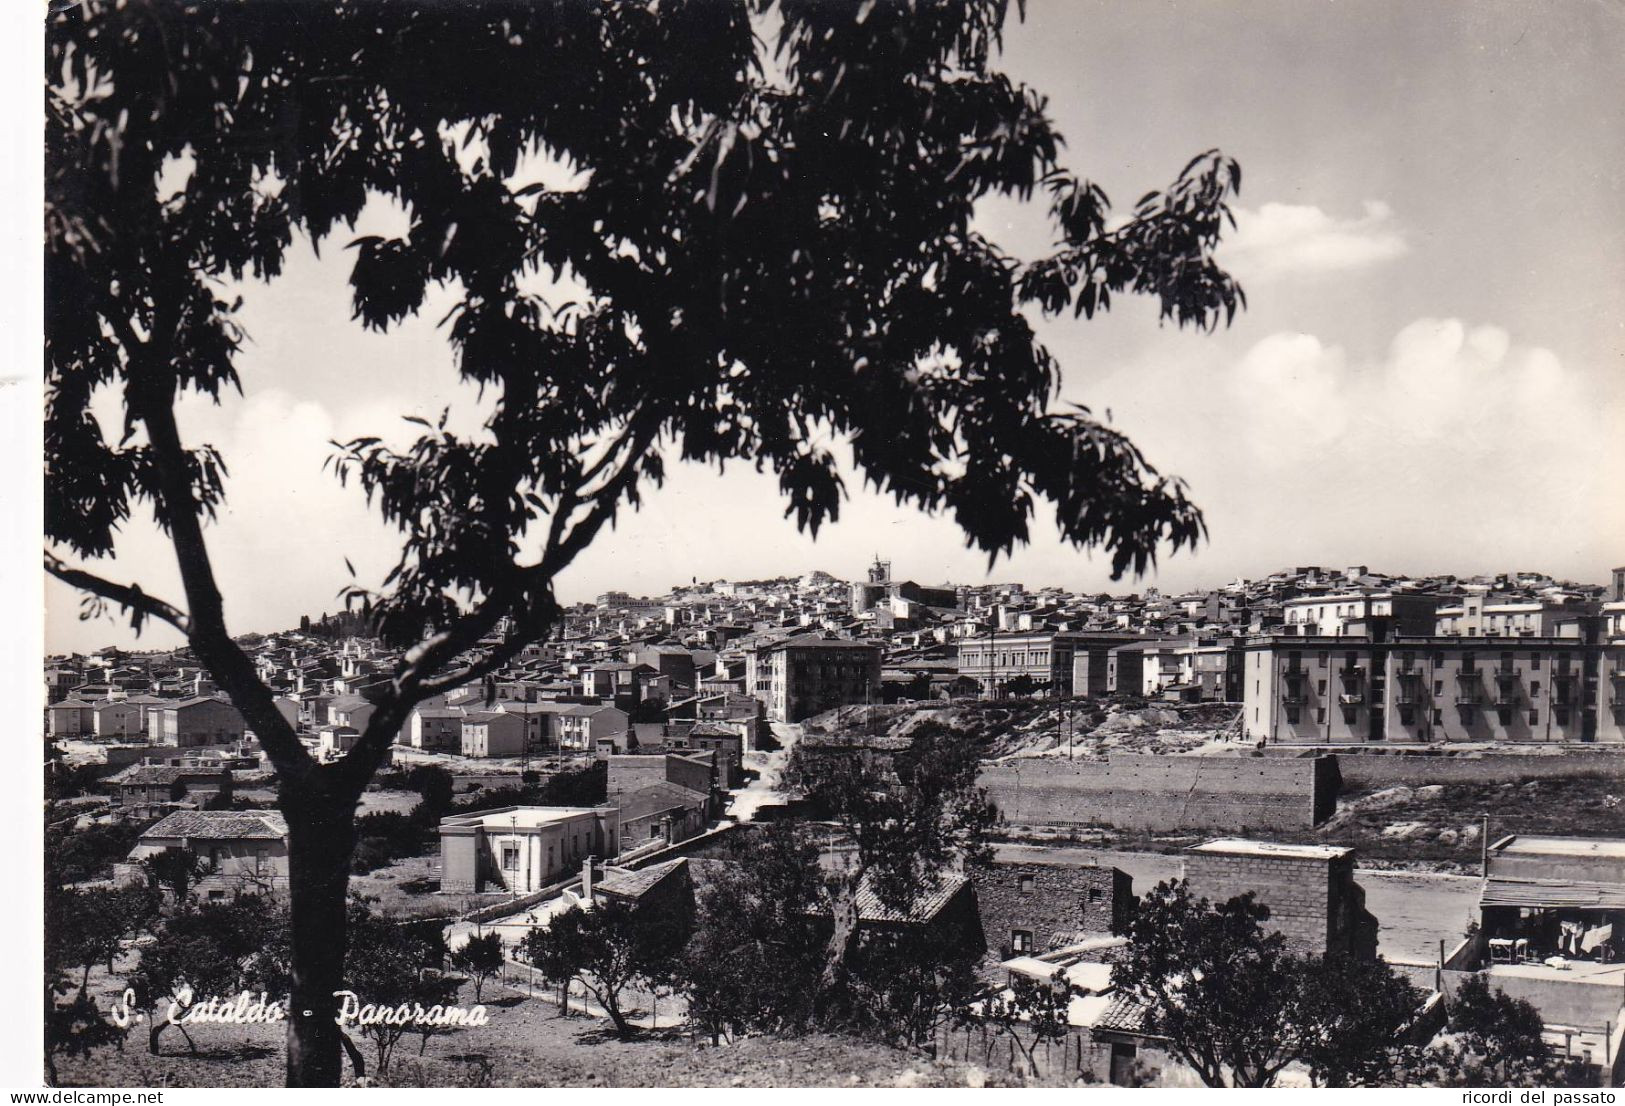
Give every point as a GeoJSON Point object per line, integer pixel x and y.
{"type": "Point", "coordinates": [754, 962]}
{"type": "Point", "coordinates": [385, 967]}
{"type": "Point", "coordinates": [910, 820]}
{"type": "Point", "coordinates": [1238, 1007]}
{"type": "Point", "coordinates": [774, 248]}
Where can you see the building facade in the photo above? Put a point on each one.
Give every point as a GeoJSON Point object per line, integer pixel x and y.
{"type": "Point", "coordinates": [807, 675]}
{"type": "Point", "coordinates": [187, 723]}
{"type": "Point", "coordinates": [522, 849]}
{"type": "Point", "coordinates": [1434, 689]}
{"type": "Point", "coordinates": [1310, 891]}
{"type": "Point", "coordinates": [1030, 906]}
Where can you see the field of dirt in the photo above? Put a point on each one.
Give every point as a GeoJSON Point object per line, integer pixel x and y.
{"type": "Point", "coordinates": [527, 1044]}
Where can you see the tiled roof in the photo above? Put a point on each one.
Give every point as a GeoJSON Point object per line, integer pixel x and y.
{"type": "Point", "coordinates": [148, 774]}
{"type": "Point", "coordinates": [657, 797]}
{"type": "Point", "coordinates": [1125, 1015]}
{"type": "Point", "coordinates": [924, 908]}
{"type": "Point", "coordinates": [195, 700]}
{"type": "Point", "coordinates": [221, 824]}
{"type": "Point", "coordinates": [630, 884]}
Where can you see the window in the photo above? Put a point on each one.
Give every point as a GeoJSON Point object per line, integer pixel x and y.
{"type": "Point", "coordinates": [1320, 714]}
{"type": "Point", "coordinates": [217, 895]}
{"type": "Point", "coordinates": [1534, 717]}
{"type": "Point", "coordinates": [654, 831]}
{"type": "Point", "coordinates": [1320, 687]}
{"type": "Point", "coordinates": [1534, 662]}
{"type": "Point", "coordinates": [1438, 716]}
{"type": "Point", "coordinates": [1027, 885]}
{"type": "Point", "coordinates": [1323, 658]}
{"type": "Point", "coordinates": [1095, 894]}
{"type": "Point", "coordinates": [1021, 940]}
{"type": "Point", "coordinates": [1291, 716]}
{"type": "Point", "coordinates": [1534, 689]}
{"type": "Point", "coordinates": [510, 857]}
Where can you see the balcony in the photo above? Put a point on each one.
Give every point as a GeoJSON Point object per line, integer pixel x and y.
{"type": "Point", "coordinates": [1467, 697]}
{"type": "Point", "coordinates": [1351, 674]}
{"type": "Point", "coordinates": [1351, 699]}
{"type": "Point", "coordinates": [1294, 698]}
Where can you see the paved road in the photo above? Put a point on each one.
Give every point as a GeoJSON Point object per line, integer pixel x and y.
{"type": "Point", "coordinates": [1414, 910]}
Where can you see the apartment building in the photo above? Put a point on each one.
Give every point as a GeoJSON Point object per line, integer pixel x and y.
{"type": "Point", "coordinates": [1484, 615]}
{"type": "Point", "coordinates": [1330, 690]}
{"type": "Point", "coordinates": [1352, 612]}
{"type": "Point", "coordinates": [806, 675]}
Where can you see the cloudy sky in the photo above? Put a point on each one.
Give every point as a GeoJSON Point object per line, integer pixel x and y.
{"type": "Point", "coordinates": [1432, 239]}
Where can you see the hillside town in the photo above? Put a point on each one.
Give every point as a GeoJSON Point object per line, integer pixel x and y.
{"type": "Point", "coordinates": [1317, 739]}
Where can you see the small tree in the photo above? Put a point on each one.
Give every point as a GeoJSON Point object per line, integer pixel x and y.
{"type": "Point", "coordinates": [1353, 1014]}
{"type": "Point", "coordinates": [75, 1026]}
{"type": "Point", "coordinates": [187, 962]}
{"type": "Point", "coordinates": [386, 966]}
{"type": "Point", "coordinates": [548, 956]}
{"type": "Point", "coordinates": [479, 958]}
{"type": "Point", "coordinates": [755, 958]}
{"type": "Point", "coordinates": [177, 871]}
{"type": "Point", "coordinates": [613, 945]}
{"type": "Point", "coordinates": [1030, 1012]}
{"type": "Point", "coordinates": [1492, 1039]}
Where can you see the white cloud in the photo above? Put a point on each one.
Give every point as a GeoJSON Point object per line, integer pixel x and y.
{"type": "Point", "coordinates": [1299, 240]}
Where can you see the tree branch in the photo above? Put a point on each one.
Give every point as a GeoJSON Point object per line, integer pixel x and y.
{"type": "Point", "coordinates": [129, 597]}
{"type": "Point", "coordinates": [151, 394]}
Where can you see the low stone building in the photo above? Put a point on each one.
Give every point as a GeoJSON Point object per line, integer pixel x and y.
{"type": "Point", "coordinates": [661, 812]}
{"type": "Point", "coordinates": [1310, 891]}
{"type": "Point", "coordinates": [1030, 903]}
{"type": "Point", "coordinates": [244, 850]}
{"type": "Point", "coordinates": [152, 786]}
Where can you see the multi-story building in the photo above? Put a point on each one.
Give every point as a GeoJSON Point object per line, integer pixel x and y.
{"type": "Point", "coordinates": [493, 734]}
{"type": "Point", "coordinates": [1353, 612]}
{"type": "Point", "coordinates": [806, 675]}
{"type": "Point", "coordinates": [1331, 690]}
{"type": "Point", "coordinates": [1091, 661]}
{"type": "Point", "coordinates": [579, 726]}
{"type": "Point", "coordinates": [186, 723]}
{"type": "Point", "coordinates": [1045, 657]}
{"type": "Point", "coordinates": [1483, 615]}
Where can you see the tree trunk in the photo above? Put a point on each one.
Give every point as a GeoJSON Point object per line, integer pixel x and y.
{"type": "Point", "coordinates": [321, 838]}
{"type": "Point", "coordinates": [845, 916]}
